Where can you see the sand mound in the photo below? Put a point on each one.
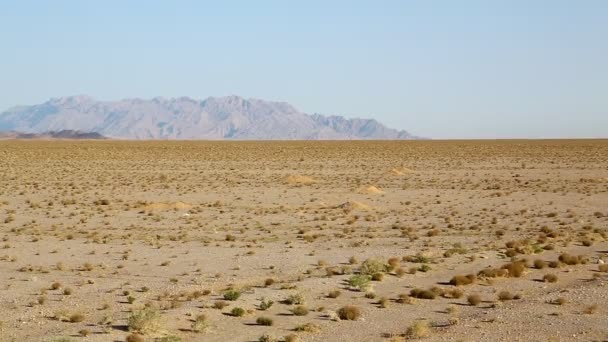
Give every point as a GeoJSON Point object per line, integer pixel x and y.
{"type": "Point", "coordinates": [353, 205]}
{"type": "Point", "coordinates": [400, 171]}
{"type": "Point", "coordinates": [370, 190]}
{"type": "Point", "coordinates": [295, 179]}
{"type": "Point", "coordinates": [167, 206]}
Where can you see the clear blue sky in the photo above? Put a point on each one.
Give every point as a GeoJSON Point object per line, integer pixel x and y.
{"type": "Point", "coordinates": [442, 69]}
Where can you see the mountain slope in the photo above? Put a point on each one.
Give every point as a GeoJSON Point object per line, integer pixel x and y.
{"type": "Point", "coordinates": [229, 117]}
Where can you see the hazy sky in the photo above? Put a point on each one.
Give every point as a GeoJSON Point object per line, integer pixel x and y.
{"type": "Point", "coordinates": [442, 69]}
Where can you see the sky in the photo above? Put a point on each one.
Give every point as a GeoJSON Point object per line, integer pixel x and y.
{"type": "Point", "coordinates": [439, 69]}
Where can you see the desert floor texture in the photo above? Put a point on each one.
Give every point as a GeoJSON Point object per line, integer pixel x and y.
{"type": "Point", "coordinates": [304, 241]}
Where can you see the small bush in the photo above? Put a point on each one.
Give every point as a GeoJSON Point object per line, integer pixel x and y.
{"type": "Point", "coordinates": [371, 266]}
{"type": "Point", "coordinates": [360, 282]}
{"type": "Point", "coordinates": [220, 304]}
{"type": "Point", "coordinates": [591, 309]}
{"type": "Point", "coordinates": [378, 276]}
{"type": "Point", "coordinates": [505, 295]}
{"type": "Point", "coordinates": [144, 321]}
{"type": "Point", "coordinates": [515, 269]}
{"type": "Point", "coordinates": [349, 312]}
{"type": "Point", "coordinates": [540, 264]}
{"type": "Point", "coordinates": [300, 310]}
{"type": "Point", "coordinates": [76, 318]}
{"type": "Point", "coordinates": [419, 329]}
{"type": "Point", "coordinates": [264, 321]}
{"type": "Point", "coordinates": [135, 338]}
{"type": "Point", "coordinates": [295, 299]}
{"type": "Point", "coordinates": [334, 294]}
{"type": "Point", "coordinates": [308, 327]}
{"type": "Point", "coordinates": [474, 299]}
{"type": "Point", "coordinates": [602, 268]}
{"type": "Point", "coordinates": [423, 294]}
{"type": "Point", "coordinates": [267, 338]}
{"type": "Point", "coordinates": [200, 324]}
{"type": "Point", "coordinates": [265, 304]}
{"type": "Point", "coordinates": [237, 312]}
{"type": "Point", "coordinates": [570, 259]}
{"type": "Point", "coordinates": [232, 295]}
{"type": "Point", "coordinates": [463, 280]}
{"type": "Point", "coordinates": [550, 278]}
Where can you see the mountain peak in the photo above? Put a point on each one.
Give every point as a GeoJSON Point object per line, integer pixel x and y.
{"type": "Point", "coordinates": [227, 117]}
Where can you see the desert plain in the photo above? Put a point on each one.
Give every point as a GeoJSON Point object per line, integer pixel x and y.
{"type": "Point", "coordinates": [304, 241]}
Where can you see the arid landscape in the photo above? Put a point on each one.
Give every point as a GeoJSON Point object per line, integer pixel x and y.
{"type": "Point", "coordinates": [304, 241]}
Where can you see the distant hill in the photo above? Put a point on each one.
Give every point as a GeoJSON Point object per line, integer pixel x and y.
{"type": "Point", "coordinates": [64, 134]}
{"type": "Point", "coordinates": [229, 117]}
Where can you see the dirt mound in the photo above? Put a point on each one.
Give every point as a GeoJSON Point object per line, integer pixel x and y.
{"type": "Point", "coordinates": [160, 206]}
{"type": "Point", "coordinates": [400, 171]}
{"type": "Point", "coordinates": [353, 205]}
{"type": "Point", "coordinates": [296, 179]}
{"type": "Point", "coordinates": [369, 190]}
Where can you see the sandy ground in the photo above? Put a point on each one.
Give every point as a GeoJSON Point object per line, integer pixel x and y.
{"type": "Point", "coordinates": [96, 233]}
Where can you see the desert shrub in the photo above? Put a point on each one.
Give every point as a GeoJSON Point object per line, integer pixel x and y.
{"type": "Point", "coordinates": [308, 327]}
{"type": "Point", "coordinates": [463, 280]}
{"type": "Point", "coordinates": [264, 321]}
{"type": "Point", "coordinates": [168, 338]}
{"type": "Point", "coordinates": [423, 294]}
{"type": "Point", "coordinates": [334, 294]}
{"type": "Point", "coordinates": [419, 329]}
{"type": "Point", "coordinates": [135, 338]}
{"type": "Point", "coordinates": [372, 266]}
{"type": "Point", "coordinates": [268, 282]}
{"type": "Point", "coordinates": [400, 272]}
{"type": "Point", "coordinates": [555, 264]}
{"type": "Point", "coordinates": [200, 323]}
{"type": "Point", "coordinates": [267, 338]}
{"type": "Point", "coordinates": [220, 304]}
{"type": "Point", "coordinates": [383, 302]}
{"type": "Point", "coordinates": [300, 310]}
{"type": "Point", "coordinates": [265, 304]}
{"type": "Point", "coordinates": [237, 312]}
{"type": "Point", "coordinates": [550, 278]}
{"type": "Point", "coordinates": [570, 259]}
{"type": "Point", "coordinates": [540, 264]}
{"type": "Point", "coordinates": [424, 268]}
{"type": "Point", "coordinates": [404, 299]}
{"type": "Point", "coordinates": [68, 291]}
{"type": "Point", "coordinates": [349, 312]}
{"type": "Point", "coordinates": [602, 268]}
{"type": "Point", "coordinates": [360, 281]}
{"type": "Point", "coordinates": [559, 301]}
{"type": "Point", "coordinates": [591, 309]}
{"type": "Point", "coordinates": [587, 242]}
{"type": "Point", "coordinates": [454, 293]}
{"type": "Point", "coordinates": [378, 276]}
{"type": "Point", "coordinates": [492, 273]}
{"type": "Point", "coordinates": [295, 298]}
{"type": "Point", "coordinates": [291, 338]}
{"type": "Point", "coordinates": [76, 318]}
{"type": "Point", "coordinates": [232, 295]}
{"type": "Point", "coordinates": [474, 299]}
{"type": "Point", "coordinates": [506, 295]}
{"type": "Point", "coordinates": [515, 269]}
{"type": "Point", "coordinates": [393, 262]}
{"type": "Point", "coordinates": [144, 321]}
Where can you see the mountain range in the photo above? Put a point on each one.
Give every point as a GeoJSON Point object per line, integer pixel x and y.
{"type": "Point", "coordinates": [215, 118]}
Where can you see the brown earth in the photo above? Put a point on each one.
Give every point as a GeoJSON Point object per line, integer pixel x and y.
{"type": "Point", "coordinates": [93, 232]}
